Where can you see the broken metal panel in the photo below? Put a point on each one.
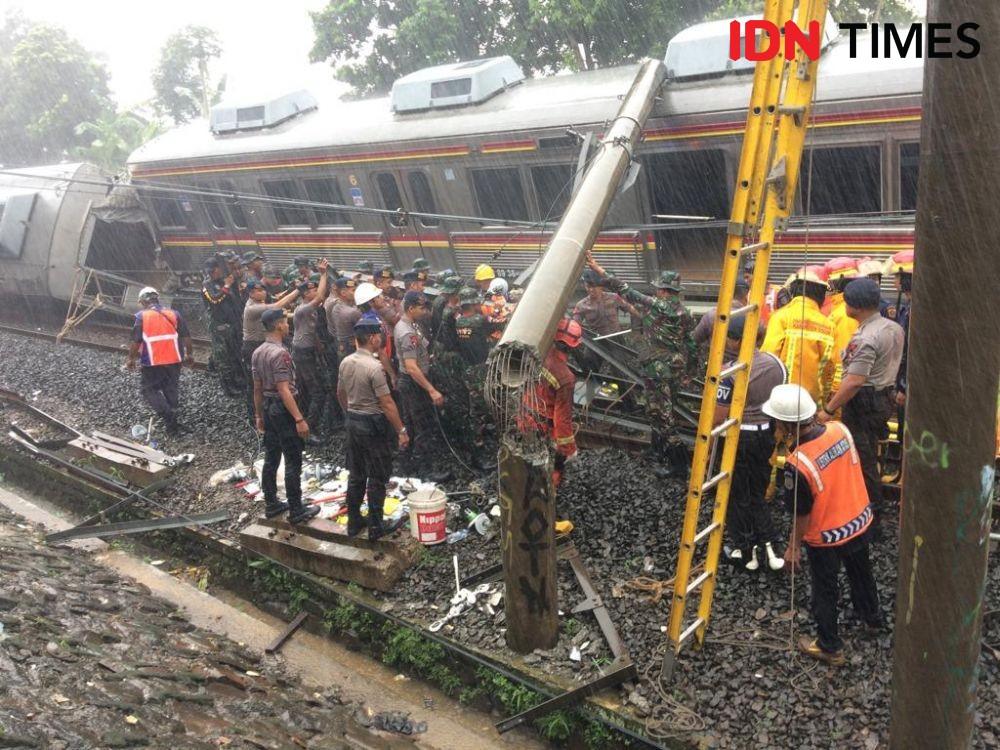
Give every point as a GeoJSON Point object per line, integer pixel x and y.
{"type": "Point", "coordinates": [136, 527]}
{"type": "Point", "coordinates": [137, 470]}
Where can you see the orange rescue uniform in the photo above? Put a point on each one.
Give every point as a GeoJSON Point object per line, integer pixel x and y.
{"type": "Point", "coordinates": [832, 468]}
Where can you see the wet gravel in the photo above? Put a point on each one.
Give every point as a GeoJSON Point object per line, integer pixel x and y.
{"type": "Point", "coordinates": [745, 688]}
{"type": "Point", "coordinates": [91, 660]}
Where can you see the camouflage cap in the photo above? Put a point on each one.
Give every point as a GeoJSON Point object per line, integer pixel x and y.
{"type": "Point", "coordinates": [366, 266]}
{"type": "Point", "coordinates": [421, 264]}
{"type": "Point", "coordinates": [469, 296]}
{"type": "Point", "coordinates": [387, 272]}
{"type": "Point", "coordinates": [250, 256]}
{"type": "Point", "coordinates": [451, 285]}
{"type": "Point", "coordinates": [670, 280]}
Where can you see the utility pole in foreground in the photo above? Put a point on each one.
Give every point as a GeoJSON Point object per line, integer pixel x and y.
{"type": "Point", "coordinates": [954, 366]}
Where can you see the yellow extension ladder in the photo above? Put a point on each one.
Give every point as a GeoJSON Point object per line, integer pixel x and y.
{"type": "Point", "coordinates": [780, 108]}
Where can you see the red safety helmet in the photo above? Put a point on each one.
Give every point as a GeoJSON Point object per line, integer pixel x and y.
{"type": "Point", "coordinates": [569, 332]}
{"type": "Point", "coordinates": [841, 267]}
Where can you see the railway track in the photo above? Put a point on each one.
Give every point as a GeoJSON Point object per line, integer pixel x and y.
{"type": "Point", "coordinates": [200, 362]}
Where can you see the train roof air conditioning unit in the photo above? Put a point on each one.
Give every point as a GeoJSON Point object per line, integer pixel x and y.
{"type": "Point", "coordinates": [454, 84]}
{"type": "Point", "coordinates": [702, 50]}
{"type": "Point", "coordinates": [231, 117]}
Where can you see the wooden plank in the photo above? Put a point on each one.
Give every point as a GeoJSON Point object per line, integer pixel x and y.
{"type": "Point", "coordinates": [294, 625]}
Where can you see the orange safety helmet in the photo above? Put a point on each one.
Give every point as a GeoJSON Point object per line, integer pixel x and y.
{"type": "Point", "coordinates": [841, 267]}
{"type": "Point", "coordinates": [901, 262]}
{"type": "Point", "coordinates": [569, 332]}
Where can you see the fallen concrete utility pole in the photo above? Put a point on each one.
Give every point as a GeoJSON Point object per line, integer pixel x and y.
{"type": "Point", "coordinates": [954, 365]}
{"type": "Point", "coordinates": [527, 494]}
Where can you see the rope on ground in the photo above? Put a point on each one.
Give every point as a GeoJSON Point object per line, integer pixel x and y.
{"type": "Point", "coordinates": [656, 588]}
{"type": "Point", "coordinates": [670, 719]}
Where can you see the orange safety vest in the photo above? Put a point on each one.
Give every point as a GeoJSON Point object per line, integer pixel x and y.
{"type": "Point", "coordinates": [159, 336]}
{"type": "Point", "coordinates": [831, 466]}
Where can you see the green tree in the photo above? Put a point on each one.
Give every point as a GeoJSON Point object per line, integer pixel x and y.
{"type": "Point", "coordinates": [184, 86]}
{"type": "Point", "coordinates": [371, 43]}
{"type": "Point", "coordinates": [846, 11]}
{"type": "Point", "coordinates": [113, 137]}
{"type": "Point", "coordinates": [50, 84]}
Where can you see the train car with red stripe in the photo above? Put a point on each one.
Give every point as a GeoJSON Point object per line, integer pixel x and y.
{"type": "Point", "coordinates": [479, 139]}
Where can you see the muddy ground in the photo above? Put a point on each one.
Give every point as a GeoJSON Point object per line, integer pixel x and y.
{"type": "Point", "coordinates": [745, 688]}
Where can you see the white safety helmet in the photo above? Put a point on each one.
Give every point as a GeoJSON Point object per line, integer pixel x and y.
{"type": "Point", "coordinates": [498, 286]}
{"type": "Point", "coordinates": [147, 293]}
{"type": "Point", "coordinates": [789, 403]}
{"type": "Point", "coordinates": [366, 292]}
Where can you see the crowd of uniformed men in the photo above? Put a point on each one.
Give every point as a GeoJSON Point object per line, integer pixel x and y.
{"type": "Point", "coordinates": [360, 343]}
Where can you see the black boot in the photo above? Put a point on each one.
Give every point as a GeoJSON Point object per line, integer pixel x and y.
{"type": "Point", "coordinates": [303, 513]}
{"type": "Point", "coordinates": [274, 509]}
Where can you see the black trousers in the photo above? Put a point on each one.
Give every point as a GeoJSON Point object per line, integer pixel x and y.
{"type": "Point", "coordinates": [370, 441]}
{"type": "Point", "coordinates": [330, 362]}
{"type": "Point", "coordinates": [311, 384]}
{"type": "Point", "coordinates": [246, 355]}
{"type": "Point", "coordinates": [824, 567]}
{"type": "Point", "coordinates": [749, 517]}
{"type": "Point", "coordinates": [418, 416]}
{"type": "Point", "coordinates": [865, 416]}
{"type": "Point", "coordinates": [281, 441]}
{"type": "Point", "coordinates": [160, 388]}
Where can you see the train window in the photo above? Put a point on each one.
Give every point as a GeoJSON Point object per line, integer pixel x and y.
{"type": "Point", "coordinates": [689, 183]}
{"type": "Point", "coordinates": [389, 190]}
{"type": "Point", "coordinates": [286, 215]}
{"type": "Point", "coordinates": [909, 164]}
{"type": "Point", "coordinates": [500, 193]}
{"type": "Point", "coordinates": [845, 180]}
{"type": "Point", "coordinates": [239, 218]}
{"type": "Point", "coordinates": [553, 188]}
{"type": "Point", "coordinates": [169, 212]}
{"type": "Point", "coordinates": [327, 190]}
{"type": "Point", "coordinates": [213, 207]}
{"type": "Point", "coordinates": [423, 197]}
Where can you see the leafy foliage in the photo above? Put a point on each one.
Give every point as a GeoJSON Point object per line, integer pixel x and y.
{"type": "Point", "coordinates": [843, 11]}
{"type": "Point", "coordinates": [371, 43]}
{"type": "Point", "coordinates": [50, 84]}
{"type": "Point", "coordinates": [182, 81]}
{"type": "Point", "coordinates": [113, 136]}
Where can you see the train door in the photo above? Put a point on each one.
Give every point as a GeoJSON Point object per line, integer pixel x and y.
{"type": "Point", "coordinates": [411, 237]}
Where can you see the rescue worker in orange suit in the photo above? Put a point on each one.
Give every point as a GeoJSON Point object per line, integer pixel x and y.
{"type": "Point", "coordinates": [554, 394]}
{"type": "Point", "coordinates": [825, 490]}
{"type": "Point", "coordinates": [802, 337]}
{"type": "Point", "coordinates": [160, 342]}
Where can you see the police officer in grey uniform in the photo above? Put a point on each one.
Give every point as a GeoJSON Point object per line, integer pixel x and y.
{"type": "Point", "coordinates": [417, 394]}
{"type": "Point", "coordinates": [253, 329]}
{"type": "Point", "coordinates": [277, 417]}
{"type": "Point", "coordinates": [871, 362]}
{"type": "Point", "coordinates": [344, 315]}
{"type": "Point", "coordinates": [374, 428]}
{"type": "Point", "coordinates": [306, 352]}
{"type": "Point", "coordinates": [749, 521]}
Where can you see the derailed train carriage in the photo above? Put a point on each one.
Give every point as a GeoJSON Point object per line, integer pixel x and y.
{"type": "Point", "coordinates": [473, 139]}
{"type": "Point", "coordinates": [478, 139]}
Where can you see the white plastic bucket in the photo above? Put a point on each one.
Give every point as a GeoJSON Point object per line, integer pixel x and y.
{"type": "Point", "coordinates": [428, 513]}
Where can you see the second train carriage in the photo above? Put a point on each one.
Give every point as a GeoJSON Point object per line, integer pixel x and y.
{"type": "Point", "coordinates": [474, 139]}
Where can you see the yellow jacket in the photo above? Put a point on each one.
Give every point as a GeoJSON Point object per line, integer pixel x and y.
{"type": "Point", "coordinates": [803, 338]}
{"type": "Point", "coordinates": [843, 329]}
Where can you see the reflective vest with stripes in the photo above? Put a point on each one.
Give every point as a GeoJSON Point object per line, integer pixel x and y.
{"type": "Point", "coordinates": [159, 336]}
{"type": "Point", "coordinates": [831, 466]}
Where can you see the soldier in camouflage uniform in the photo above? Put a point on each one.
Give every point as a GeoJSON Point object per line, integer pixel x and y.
{"type": "Point", "coordinates": [220, 293]}
{"type": "Point", "coordinates": [299, 270]}
{"type": "Point", "coordinates": [443, 309]}
{"type": "Point", "coordinates": [473, 335]}
{"type": "Point", "coordinates": [447, 367]}
{"type": "Point", "coordinates": [668, 353]}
